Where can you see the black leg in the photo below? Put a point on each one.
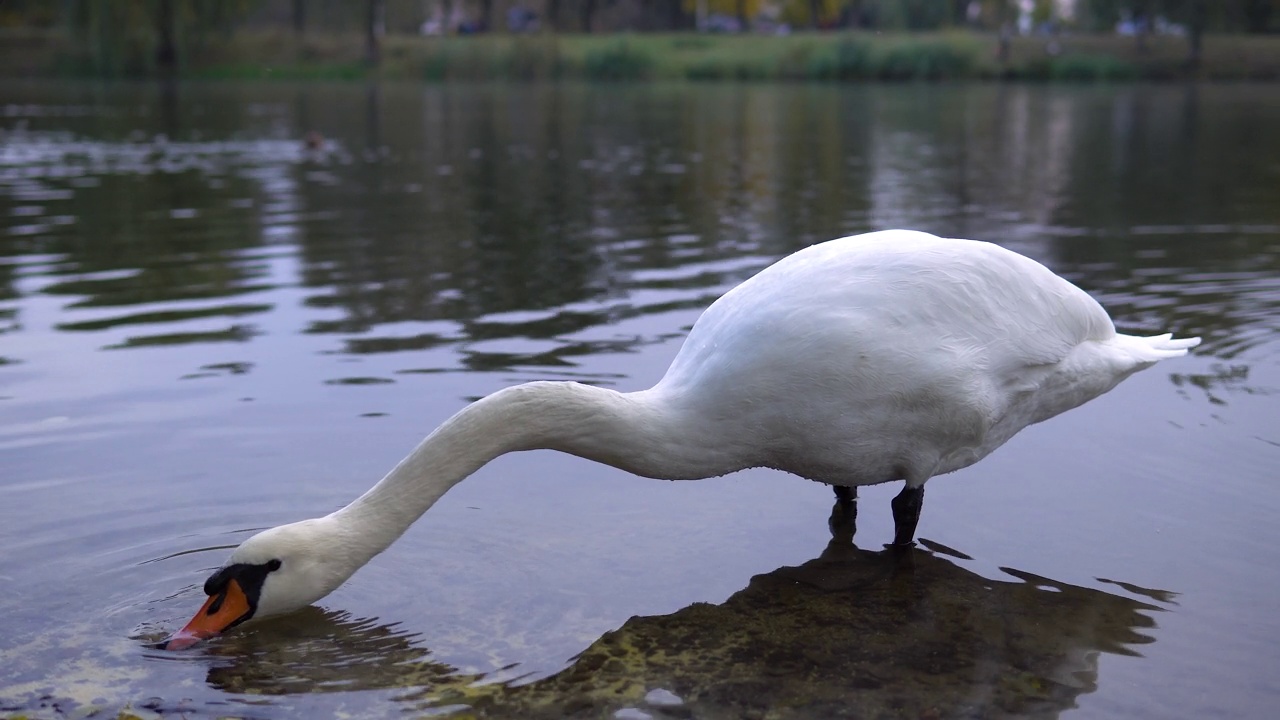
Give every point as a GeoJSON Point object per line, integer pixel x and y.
{"type": "Point", "coordinates": [906, 513]}
{"type": "Point", "coordinates": [843, 522]}
{"type": "Point", "coordinates": [845, 495]}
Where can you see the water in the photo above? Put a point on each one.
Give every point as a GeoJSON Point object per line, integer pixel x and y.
{"type": "Point", "coordinates": [208, 327]}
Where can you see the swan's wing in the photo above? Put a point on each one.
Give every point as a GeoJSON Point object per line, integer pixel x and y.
{"type": "Point", "coordinates": [894, 294]}
{"type": "Point", "coordinates": [882, 354]}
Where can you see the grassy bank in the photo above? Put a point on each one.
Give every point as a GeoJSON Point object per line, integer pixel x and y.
{"type": "Point", "coordinates": [802, 56]}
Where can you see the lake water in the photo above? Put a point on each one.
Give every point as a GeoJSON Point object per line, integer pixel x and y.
{"type": "Point", "coordinates": [208, 328]}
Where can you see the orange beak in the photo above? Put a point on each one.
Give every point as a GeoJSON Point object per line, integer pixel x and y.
{"type": "Point", "coordinates": [220, 612]}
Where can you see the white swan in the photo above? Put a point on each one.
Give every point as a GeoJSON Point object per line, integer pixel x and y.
{"type": "Point", "coordinates": [894, 355]}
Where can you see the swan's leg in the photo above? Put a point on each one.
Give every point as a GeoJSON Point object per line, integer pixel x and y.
{"type": "Point", "coordinates": [843, 522]}
{"type": "Point", "coordinates": [906, 513]}
{"type": "Point", "coordinates": [846, 495]}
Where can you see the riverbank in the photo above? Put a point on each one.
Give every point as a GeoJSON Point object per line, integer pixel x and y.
{"type": "Point", "coordinates": [800, 56]}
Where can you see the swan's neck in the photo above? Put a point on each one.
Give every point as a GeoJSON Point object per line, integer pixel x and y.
{"type": "Point", "coordinates": [643, 433]}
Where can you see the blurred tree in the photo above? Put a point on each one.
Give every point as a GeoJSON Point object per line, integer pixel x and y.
{"type": "Point", "coordinates": [1258, 14]}
{"type": "Point", "coordinates": [1142, 12]}
{"type": "Point", "coordinates": [906, 14]}
{"type": "Point", "coordinates": [669, 14]}
{"type": "Point", "coordinates": [167, 49]}
{"type": "Point", "coordinates": [811, 13]}
{"type": "Point", "coordinates": [375, 28]}
{"type": "Point", "coordinates": [28, 13]}
{"type": "Point", "coordinates": [447, 15]}
{"type": "Point", "coordinates": [138, 36]}
{"type": "Point", "coordinates": [744, 10]}
{"type": "Point", "coordinates": [115, 37]}
{"type": "Point", "coordinates": [1196, 17]}
{"type": "Point", "coordinates": [1002, 14]}
{"type": "Point", "coordinates": [1098, 15]}
{"type": "Point", "coordinates": [1253, 16]}
{"type": "Point", "coordinates": [1042, 12]}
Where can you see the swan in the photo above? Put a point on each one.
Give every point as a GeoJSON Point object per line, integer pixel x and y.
{"type": "Point", "coordinates": [893, 355]}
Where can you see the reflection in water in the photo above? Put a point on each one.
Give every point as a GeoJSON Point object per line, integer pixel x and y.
{"type": "Point", "coordinates": [1222, 380]}
{"type": "Point", "coordinates": [431, 214]}
{"type": "Point", "coordinates": [315, 650]}
{"type": "Point", "coordinates": [851, 632]}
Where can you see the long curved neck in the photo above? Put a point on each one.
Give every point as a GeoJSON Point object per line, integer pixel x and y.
{"type": "Point", "coordinates": [640, 432]}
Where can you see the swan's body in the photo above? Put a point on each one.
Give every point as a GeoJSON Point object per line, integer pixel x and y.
{"type": "Point", "coordinates": [889, 356]}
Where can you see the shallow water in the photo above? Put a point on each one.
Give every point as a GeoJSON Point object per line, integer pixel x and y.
{"type": "Point", "coordinates": [207, 328]}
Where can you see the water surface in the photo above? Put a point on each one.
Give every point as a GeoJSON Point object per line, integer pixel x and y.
{"type": "Point", "coordinates": [208, 327]}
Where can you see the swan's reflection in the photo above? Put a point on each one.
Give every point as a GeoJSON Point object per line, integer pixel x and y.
{"type": "Point", "coordinates": [889, 632]}
{"type": "Point", "coordinates": [316, 650]}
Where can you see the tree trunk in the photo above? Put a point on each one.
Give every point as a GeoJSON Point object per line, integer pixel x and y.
{"type": "Point", "coordinates": [1142, 17]}
{"type": "Point", "coordinates": [588, 12]}
{"type": "Point", "coordinates": [1005, 31]}
{"type": "Point", "coordinates": [446, 22]}
{"type": "Point", "coordinates": [299, 17]}
{"type": "Point", "coordinates": [553, 15]}
{"type": "Point", "coordinates": [375, 28]}
{"type": "Point", "coordinates": [742, 14]}
{"type": "Point", "coordinates": [815, 13]}
{"type": "Point", "coordinates": [671, 15]}
{"type": "Point", "coordinates": [486, 15]}
{"type": "Point", "coordinates": [1257, 15]}
{"type": "Point", "coordinates": [167, 50]}
{"type": "Point", "coordinates": [1195, 32]}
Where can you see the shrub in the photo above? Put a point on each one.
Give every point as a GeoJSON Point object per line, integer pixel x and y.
{"type": "Point", "coordinates": [1091, 68]}
{"type": "Point", "coordinates": [619, 60]}
{"type": "Point", "coordinates": [794, 62]}
{"type": "Point", "coordinates": [532, 58]}
{"type": "Point", "coordinates": [926, 60]}
{"type": "Point", "coordinates": [850, 60]}
{"type": "Point", "coordinates": [707, 69]}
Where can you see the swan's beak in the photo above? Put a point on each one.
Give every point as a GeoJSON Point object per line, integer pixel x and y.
{"type": "Point", "coordinates": [220, 612]}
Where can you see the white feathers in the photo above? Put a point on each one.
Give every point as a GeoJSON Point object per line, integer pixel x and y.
{"type": "Point", "coordinates": [1159, 347]}
{"type": "Point", "coordinates": [892, 355]}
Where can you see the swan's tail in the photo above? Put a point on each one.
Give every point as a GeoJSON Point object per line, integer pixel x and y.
{"type": "Point", "coordinates": [1156, 347]}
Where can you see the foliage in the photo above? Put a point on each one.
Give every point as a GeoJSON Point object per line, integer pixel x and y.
{"type": "Point", "coordinates": [619, 60]}
{"type": "Point", "coordinates": [130, 37]}
{"type": "Point", "coordinates": [126, 29]}
{"type": "Point", "coordinates": [28, 13]}
{"type": "Point", "coordinates": [927, 60]}
{"type": "Point", "coordinates": [748, 8]}
{"type": "Point", "coordinates": [910, 14]}
{"type": "Point", "coordinates": [1091, 68]}
{"type": "Point", "coordinates": [1254, 16]}
{"type": "Point", "coordinates": [532, 58]}
{"type": "Point", "coordinates": [798, 13]}
{"type": "Point", "coordinates": [850, 59]}
{"type": "Point", "coordinates": [846, 57]}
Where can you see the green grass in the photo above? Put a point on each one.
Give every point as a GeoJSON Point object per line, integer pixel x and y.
{"type": "Point", "coordinates": [946, 58]}
{"type": "Point", "coordinates": [621, 59]}
{"type": "Point", "coordinates": [833, 57]}
{"type": "Point", "coordinates": [1091, 68]}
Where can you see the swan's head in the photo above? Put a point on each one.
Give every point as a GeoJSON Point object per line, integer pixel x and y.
{"type": "Point", "coordinates": [276, 571]}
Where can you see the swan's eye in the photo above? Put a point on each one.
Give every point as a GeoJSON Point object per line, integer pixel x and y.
{"type": "Point", "coordinates": [274, 565]}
